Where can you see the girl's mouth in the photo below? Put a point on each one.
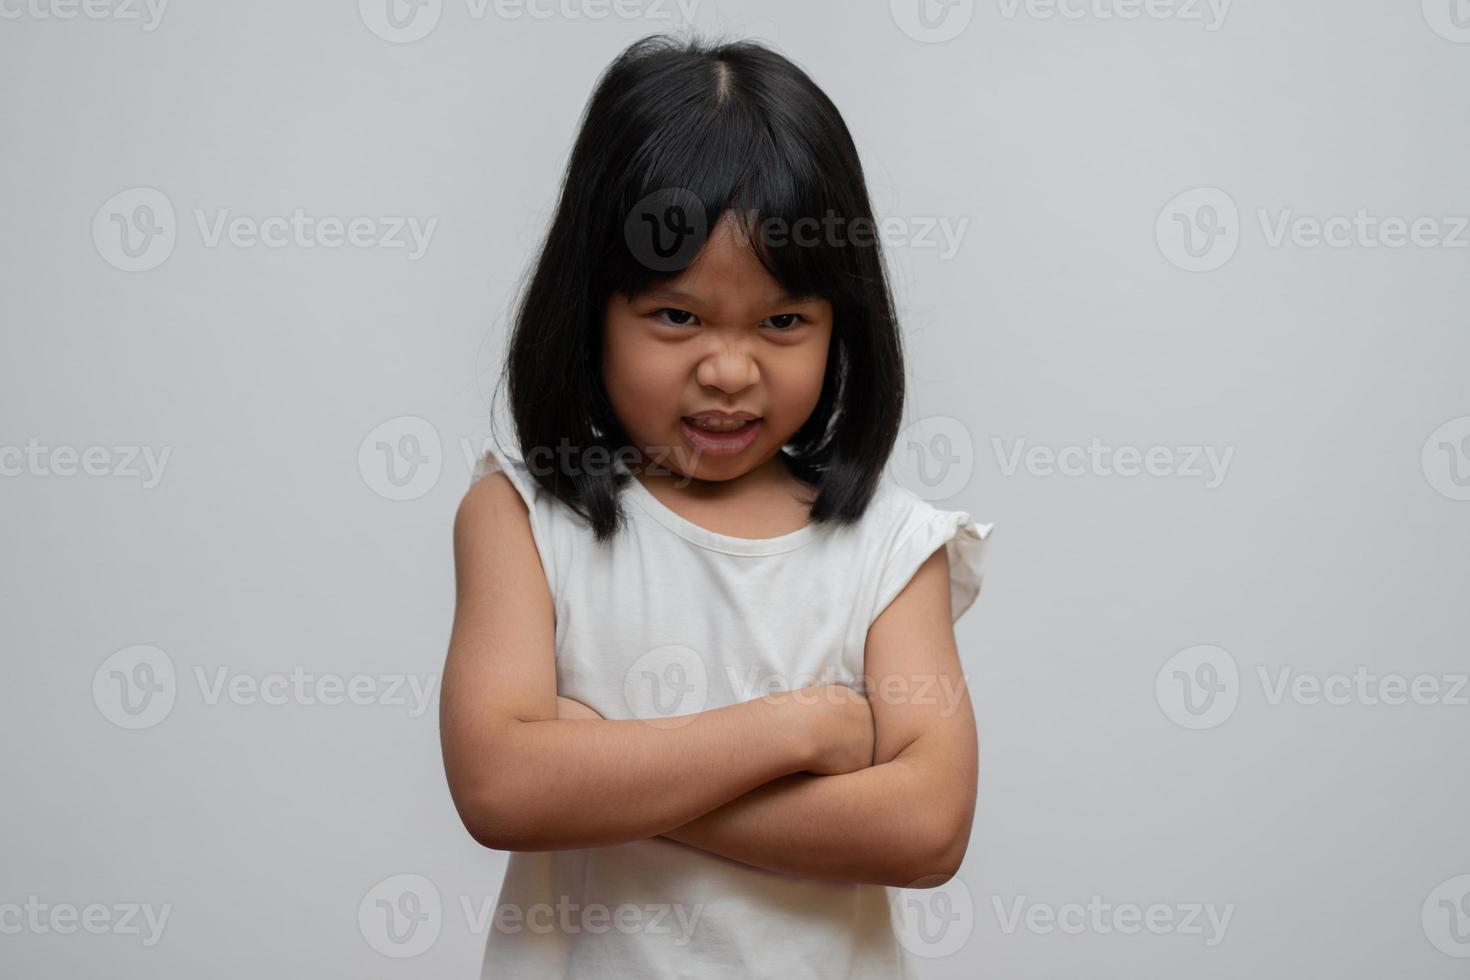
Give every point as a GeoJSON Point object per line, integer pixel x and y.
{"type": "Point", "coordinates": [719, 438]}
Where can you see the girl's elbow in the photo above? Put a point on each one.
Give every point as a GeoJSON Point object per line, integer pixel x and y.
{"type": "Point", "coordinates": [488, 808]}
{"type": "Point", "coordinates": [496, 837]}
{"type": "Point", "coordinates": [941, 853]}
{"type": "Point", "coordinates": [494, 825]}
{"type": "Point", "coordinates": [493, 791]}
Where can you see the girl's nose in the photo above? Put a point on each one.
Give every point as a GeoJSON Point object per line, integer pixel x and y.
{"type": "Point", "coordinates": [728, 367]}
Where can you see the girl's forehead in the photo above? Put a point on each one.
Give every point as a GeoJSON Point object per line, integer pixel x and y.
{"type": "Point", "coordinates": [728, 260]}
{"type": "Point", "coordinates": [740, 264]}
{"type": "Point", "coordinates": [727, 257]}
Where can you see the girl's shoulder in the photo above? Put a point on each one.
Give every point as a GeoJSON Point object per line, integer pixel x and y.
{"type": "Point", "coordinates": [496, 460]}
{"type": "Point", "coordinates": [902, 529]}
{"type": "Point", "coordinates": [547, 514]}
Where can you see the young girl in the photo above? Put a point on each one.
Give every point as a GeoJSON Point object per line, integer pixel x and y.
{"type": "Point", "coordinates": [702, 680]}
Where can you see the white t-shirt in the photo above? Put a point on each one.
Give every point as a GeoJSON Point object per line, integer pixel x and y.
{"type": "Point", "coordinates": [670, 618]}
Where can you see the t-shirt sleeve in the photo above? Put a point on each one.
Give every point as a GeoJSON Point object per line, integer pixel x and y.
{"type": "Point", "coordinates": [538, 504]}
{"type": "Point", "coordinates": [919, 531]}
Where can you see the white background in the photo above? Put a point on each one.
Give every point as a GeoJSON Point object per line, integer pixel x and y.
{"type": "Point", "coordinates": [1336, 540]}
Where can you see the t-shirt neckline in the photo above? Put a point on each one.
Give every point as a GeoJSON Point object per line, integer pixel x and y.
{"type": "Point", "coordinates": [713, 540]}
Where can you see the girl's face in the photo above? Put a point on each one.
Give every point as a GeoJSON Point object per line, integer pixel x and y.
{"type": "Point", "coordinates": [721, 337]}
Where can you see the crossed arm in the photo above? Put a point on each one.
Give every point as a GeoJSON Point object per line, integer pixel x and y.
{"type": "Point", "coordinates": [905, 820]}
{"type": "Point", "coordinates": [754, 788]}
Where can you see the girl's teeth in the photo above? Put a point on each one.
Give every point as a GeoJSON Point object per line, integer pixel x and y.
{"type": "Point", "coordinates": [718, 425]}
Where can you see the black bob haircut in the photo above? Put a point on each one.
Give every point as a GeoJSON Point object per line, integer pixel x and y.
{"type": "Point", "coordinates": [677, 135]}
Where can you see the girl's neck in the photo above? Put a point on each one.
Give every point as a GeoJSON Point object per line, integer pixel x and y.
{"type": "Point", "coordinates": [766, 502]}
{"type": "Point", "coordinates": [770, 478]}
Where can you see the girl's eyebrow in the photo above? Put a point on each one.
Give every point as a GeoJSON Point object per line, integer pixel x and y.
{"type": "Point", "coordinates": [678, 296]}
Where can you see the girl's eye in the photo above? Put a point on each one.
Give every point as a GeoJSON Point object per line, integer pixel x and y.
{"type": "Point", "coordinates": [789, 320]}
{"type": "Point", "coordinates": [674, 316]}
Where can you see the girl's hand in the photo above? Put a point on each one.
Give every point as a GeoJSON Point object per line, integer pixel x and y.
{"type": "Point", "coordinates": [844, 728]}
{"type": "Point", "coordinates": [568, 708]}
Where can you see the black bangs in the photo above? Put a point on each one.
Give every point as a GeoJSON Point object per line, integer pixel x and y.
{"type": "Point", "coordinates": [678, 136]}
